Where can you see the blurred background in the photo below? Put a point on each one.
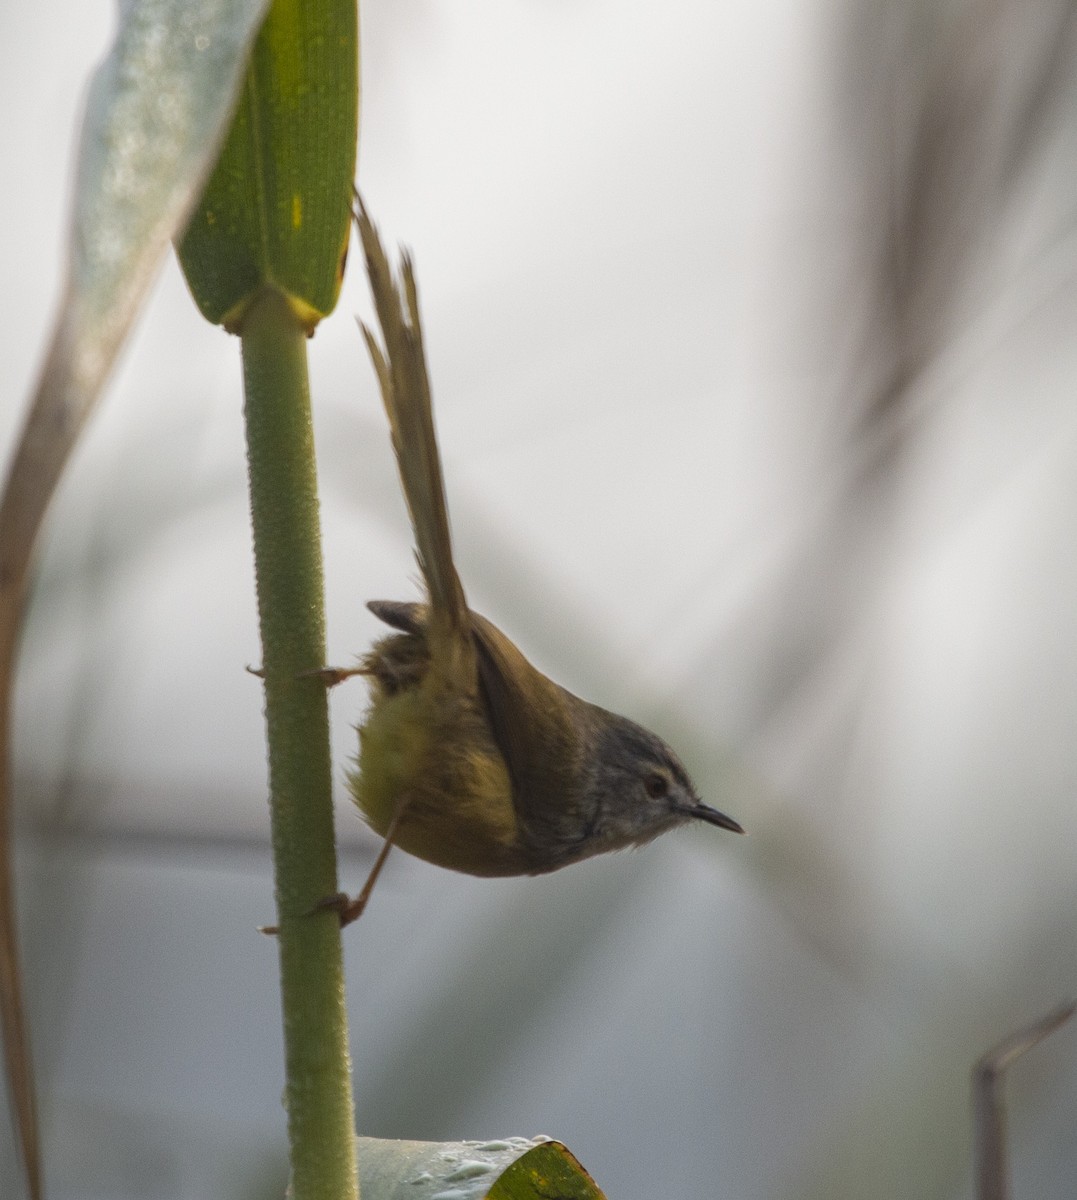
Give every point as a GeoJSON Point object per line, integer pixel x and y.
{"type": "Point", "coordinates": [751, 331]}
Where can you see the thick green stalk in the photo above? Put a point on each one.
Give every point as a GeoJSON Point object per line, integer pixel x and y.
{"type": "Point", "coordinates": [288, 568]}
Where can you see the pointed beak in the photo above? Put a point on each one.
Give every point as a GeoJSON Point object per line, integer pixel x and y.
{"type": "Point", "coordinates": [712, 816]}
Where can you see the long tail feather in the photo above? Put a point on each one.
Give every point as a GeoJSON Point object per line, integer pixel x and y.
{"type": "Point", "coordinates": [405, 390]}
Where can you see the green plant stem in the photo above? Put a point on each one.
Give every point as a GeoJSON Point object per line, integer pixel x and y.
{"type": "Point", "coordinates": [288, 568]}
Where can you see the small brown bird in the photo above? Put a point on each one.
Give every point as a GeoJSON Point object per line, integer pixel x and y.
{"type": "Point", "coordinates": [469, 757]}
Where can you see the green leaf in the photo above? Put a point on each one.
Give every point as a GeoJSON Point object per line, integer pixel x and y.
{"type": "Point", "coordinates": [513, 1169]}
{"type": "Point", "coordinates": [275, 214]}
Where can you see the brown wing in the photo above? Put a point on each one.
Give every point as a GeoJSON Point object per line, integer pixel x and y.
{"type": "Point", "coordinates": [531, 718]}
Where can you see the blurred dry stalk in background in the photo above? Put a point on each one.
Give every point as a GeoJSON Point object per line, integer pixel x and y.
{"type": "Point", "coordinates": [948, 107]}
{"type": "Point", "coordinates": [953, 115]}
{"type": "Point", "coordinates": [948, 110]}
{"type": "Point", "coordinates": [992, 1166]}
{"type": "Point", "coordinates": [957, 111]}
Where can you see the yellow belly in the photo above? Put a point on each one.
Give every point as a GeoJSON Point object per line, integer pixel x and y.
{"type": "Point", "coordinates": [431, 751]}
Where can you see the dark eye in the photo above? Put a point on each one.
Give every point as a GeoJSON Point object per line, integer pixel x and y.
{"type": "Point", "coordinates": [657, 786]}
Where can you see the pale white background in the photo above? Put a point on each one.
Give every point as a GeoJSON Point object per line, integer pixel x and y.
{"type": "Point", "coordinates": [641, 233]}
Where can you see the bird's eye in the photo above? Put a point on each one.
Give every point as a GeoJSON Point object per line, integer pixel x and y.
{"type": "Point", "coordinates": [657, 786]}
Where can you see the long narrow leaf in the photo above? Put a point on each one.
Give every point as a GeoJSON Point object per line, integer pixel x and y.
{"type": "Point", "coordinates": [155, 117]}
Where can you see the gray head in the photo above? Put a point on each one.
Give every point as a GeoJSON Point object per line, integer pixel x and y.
{"type": "Point", "coordinates": [639, 788]}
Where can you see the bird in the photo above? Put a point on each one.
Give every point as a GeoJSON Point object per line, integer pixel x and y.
{"type": "Point", "coordinates": [469, 756]}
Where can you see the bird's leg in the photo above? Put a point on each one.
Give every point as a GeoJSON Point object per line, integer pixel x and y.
{"type": "Point", "coordinates": [331, 676]}
{"type": "Point", "coordinates": [352, 909]}
{"type": "Point", "coordinates": [348, 909]}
